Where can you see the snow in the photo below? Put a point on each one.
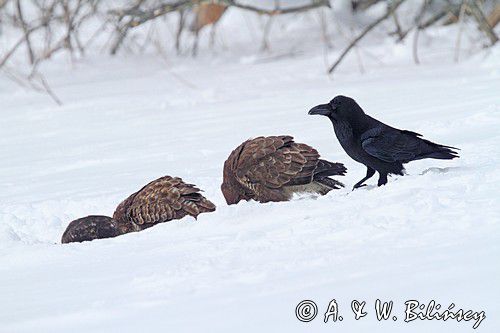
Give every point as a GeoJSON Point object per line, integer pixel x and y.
{"type": "Point", "coordinates": [432, 234]}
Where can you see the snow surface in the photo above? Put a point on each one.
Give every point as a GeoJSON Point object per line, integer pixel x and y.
{"type": "Point", "coordinates": [433, 234]}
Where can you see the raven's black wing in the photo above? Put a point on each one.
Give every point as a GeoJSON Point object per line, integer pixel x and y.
{"type": "Point", "coordinates": [391, 145]}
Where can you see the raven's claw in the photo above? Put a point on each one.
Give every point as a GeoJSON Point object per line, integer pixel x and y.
{"type": "Point", "coordinates": [358, 186]}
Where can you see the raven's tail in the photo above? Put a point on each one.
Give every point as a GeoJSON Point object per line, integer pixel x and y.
{"type": "Point", "coordinates": [330, 183]}
{"type": "Point", "coordinates": [439, 152]}
{"type": "Point", "coordinates": [325, 169]}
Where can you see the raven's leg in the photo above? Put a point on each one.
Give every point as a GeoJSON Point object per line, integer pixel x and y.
{"type": "Point", "coordinates": [382, 180]}
{"type": "Point", "coordinates": [369, 173]}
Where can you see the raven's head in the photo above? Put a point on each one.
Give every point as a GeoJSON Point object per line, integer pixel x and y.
{"type": "Point", "coordinates": [339, 108]}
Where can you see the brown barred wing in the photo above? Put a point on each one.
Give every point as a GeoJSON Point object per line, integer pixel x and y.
{"type": "Point", "coordinates": [165, 199]}
{"type": "Point", "coordinates": [277, 161]}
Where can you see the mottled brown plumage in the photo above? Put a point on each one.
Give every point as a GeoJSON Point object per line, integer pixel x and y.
{"type": "Point", "coordinates": [274, 168]}
{"type": "Point", "coordinates": [164, 199]}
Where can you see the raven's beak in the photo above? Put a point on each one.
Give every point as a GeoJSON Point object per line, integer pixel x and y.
{"type": "Point", "coordinates": [322, 109]}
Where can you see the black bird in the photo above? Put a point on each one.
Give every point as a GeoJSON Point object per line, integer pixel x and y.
{"type": "Point", "coordinates": [379, 147]}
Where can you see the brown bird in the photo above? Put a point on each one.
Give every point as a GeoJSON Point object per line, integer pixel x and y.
{"type": "Point", "coordinates": [273, 168]}
{"type": "Point", "coordinates": [164, 199]}
{"type": "Point", "coordinates": [94, 227]}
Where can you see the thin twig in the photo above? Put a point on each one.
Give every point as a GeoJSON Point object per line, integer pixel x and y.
{"type": "Point", "coordinates": [123, 30]}
{"type": "Point", "coordinates": [478, 15]}
{"type": "Point", "coordinates": [180, 29]}
{"type": "Point", "coordinates": [324, 29]}
{"type": "Point", "coordinates": [26, 31]}
{"type": "Point", "coordinates": [418, 22]}
{"type": "Point", "coordinates": [265, 34]}
{"type": "Point", "coordinates": [47, 88]}
{"type": "Point", "coordinates": [388, 13]}
{"type": "Point", "coordinates": [399, 30]}
{"type": "Point", "coordinates": [460, 29]}
{"type": "Point", "coordinates": [277, 11]}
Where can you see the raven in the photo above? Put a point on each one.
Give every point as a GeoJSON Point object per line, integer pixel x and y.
{"type": "Point", "coordinates": [379, 147]}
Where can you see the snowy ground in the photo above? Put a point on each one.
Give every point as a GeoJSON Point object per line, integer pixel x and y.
{"type": "Point", "coordinates": [433, 234]}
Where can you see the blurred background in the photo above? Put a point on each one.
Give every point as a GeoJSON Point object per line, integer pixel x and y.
{"type": "Point", "coordinates": [35, 31]}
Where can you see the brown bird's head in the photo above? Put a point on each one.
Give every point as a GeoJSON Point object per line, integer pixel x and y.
{"type": "Point", "coordinates": [120, 213]}
{"type": "Point", "coordinates": [231, 189]}
{"type": "Point", "coordinates": [121, 216]}
{"type": "Point", "coordinates": [230, 193]}
{"type": "Point", "coordinates": [339, 108]}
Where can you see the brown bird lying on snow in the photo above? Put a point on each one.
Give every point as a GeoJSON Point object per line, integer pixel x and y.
{"type": "Point", "coordinates": [273, 168]}
{"type": "Point", "coordinates": [164, 199]}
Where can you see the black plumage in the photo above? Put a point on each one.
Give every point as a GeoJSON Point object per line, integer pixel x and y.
{"type": "Point", "coordinates": [379, 147]}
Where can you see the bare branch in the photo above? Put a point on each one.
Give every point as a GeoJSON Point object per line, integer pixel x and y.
{"type": "Point", "coordinates": [388, 13]}
{"type": "Point", "coordinates": [37, 83]}
{"type": "Point", "coordinates": [418, 22]}
{"type": "Point", "coordinates": [13, 49]}
{"type": "Point", "coordinates": [494, 16]}
{"type": "Point", "coordinates": [26, 31]}
{"type": "Point", "coordinates": [460, 29]}
{"type": "Point", "coordinates": [48, 90]}
{"type": "Point", "coordinates": [277, 11]}
{"type": "Point", "coordinates": [478, 15]}
{"type": "Point", "coordinates": [359, 5]}
{"type": "Point", "coordinates": [399, 31]}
